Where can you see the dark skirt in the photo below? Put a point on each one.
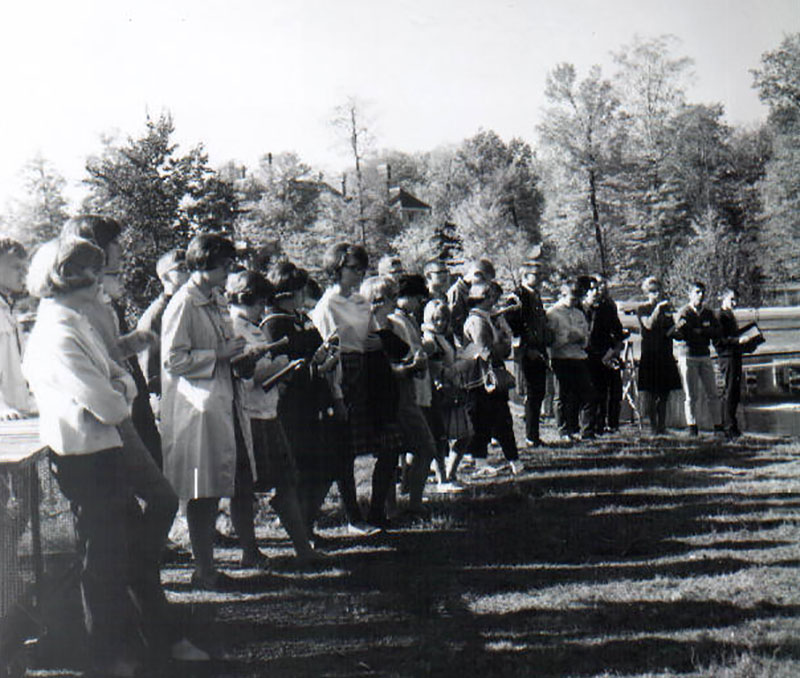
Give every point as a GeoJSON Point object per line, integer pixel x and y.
{"type": "Point", "coordinates": [369, 397]}
{"type": "Point", "coordinates": [658, 371]}
{"type": "Point", "coordinates": [275, 465]}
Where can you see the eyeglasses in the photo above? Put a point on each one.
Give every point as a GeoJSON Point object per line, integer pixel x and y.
{"type": "Point", "coordinates": [355, 267]}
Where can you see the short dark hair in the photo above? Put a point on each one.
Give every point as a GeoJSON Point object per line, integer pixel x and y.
{"type": "Point", "coordinates": [313, 290]}
{"type": "Point", "coordinates": [336, 256]}
{"type": "Point", "coordinates": [100, 230]}
{"type": "Point", "coordinates": [697, 284]}
{"type": "Point", "coordinates": [11, 246]}
{"type": "Point", "coordinates": [412, 285]}
{"type": "Point", "coordinates": [583, 284]}
{"type": "Point", "coordinates": [207, 251]}
{"type": "Point", "coordinates": [247, 288]}
{"type": "Point", "coordinates": [286, 278]}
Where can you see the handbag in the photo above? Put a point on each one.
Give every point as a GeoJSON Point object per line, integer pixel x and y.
{"type": "Point", "coordinates": [497, 379]}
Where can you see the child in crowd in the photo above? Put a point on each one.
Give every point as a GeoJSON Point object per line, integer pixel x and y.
{"type": "Point", "coordinates": [489, 346]}
{"type": "Point", "coordinates": [414, 381]}
{"type": "Point", "coordinates": [448, 403]}
{"type": "Point", "coordinates": [247, 293]}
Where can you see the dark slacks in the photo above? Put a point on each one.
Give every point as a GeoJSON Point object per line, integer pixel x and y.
{"type": "Point", "coordinates": [108, 521]}
{"type": "Point", "coordinates": [576, 396]}
{"type": "Point", "coordinates": [730, 367]}
{"type": "Point", "coordinates": [491, 418]}
{"type": "Point", "coordinates": [535, 374]}
{"type": "Point", "coordinates": [608, 394]}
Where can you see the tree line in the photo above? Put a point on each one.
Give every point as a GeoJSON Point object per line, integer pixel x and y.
{"type": "Point", "coordinates": [628, 178]}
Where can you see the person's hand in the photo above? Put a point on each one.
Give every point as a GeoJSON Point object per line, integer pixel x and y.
{"type": "Point", "coordinates": [231, 348]}
{"type": "Point", "coordinates": [266, 368]}
{"type": "Point", "coordinates": [420, 361]}
{"type": "Point", "coordinates": [339, 409]}
{"type": "Point", "coordinates": [137, 341]}
{"type": "Point", "coordinates": [10, 414]}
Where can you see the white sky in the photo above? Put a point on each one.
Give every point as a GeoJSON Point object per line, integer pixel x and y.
{"type": "Point", "coordinates": [250, 76]}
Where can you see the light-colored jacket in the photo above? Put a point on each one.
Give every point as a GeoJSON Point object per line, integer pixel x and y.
{"type": "Point", "coordinates": [82, 394]}
{"type": "Point", "coordinates": [256, 402]}
{"type": "Point", "coordinates": [13, 389]}
{"type": "Point", "coordinates": [405, 327]}
{"type": "Point", "coordinates": [197, 406]}
{"type": "Point", "coordinates": [570, 332]}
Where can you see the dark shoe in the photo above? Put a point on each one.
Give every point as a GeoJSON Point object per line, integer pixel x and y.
{"type": "Point", "coordinates": [313, 561]}
{"type": "Point", "coordinates": [693, 432]}
{"type": "Point", "coordinates": [218, 581]}
{"type": "Point", "coordinates": [533, 442]}
{"type": "Point", "coordinates": [734, 433]}
{"type": "Point", "coordinates": [255, 560]}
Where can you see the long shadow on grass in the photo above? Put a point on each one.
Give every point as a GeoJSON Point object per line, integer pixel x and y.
{"type": "Point", "coordinates": [417, 604]}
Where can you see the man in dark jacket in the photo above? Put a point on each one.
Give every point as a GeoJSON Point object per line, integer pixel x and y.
{"type": "Point", "coordinates": [730, 350]}
{"type": "Point", "coordinates": [529, 323]}
{"type": "Point", "coordinates": [606, 338]}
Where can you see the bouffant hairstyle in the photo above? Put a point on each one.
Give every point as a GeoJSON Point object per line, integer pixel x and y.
{"type": "Point", "coordinates": [248, 288]}
{"type": "Point", "coordinates": [207, 251]}
{"type": "Point", "coordinates": [62, 265]}
{"type": "Point", "coordinates": [336, 257]}
{"type": "Point", "coordinates": [286, 278]}
{"type": "Point", "coordinates": [100, 230]}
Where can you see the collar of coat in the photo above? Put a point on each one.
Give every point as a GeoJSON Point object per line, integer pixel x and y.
{"type": "Point", "coordinates": [197, 297]}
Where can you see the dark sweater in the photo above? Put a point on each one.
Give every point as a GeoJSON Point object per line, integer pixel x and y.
{"type": "Point", "coordinates": [696, 330]}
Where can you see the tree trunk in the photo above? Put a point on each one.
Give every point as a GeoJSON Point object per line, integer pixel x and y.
{"type": "Point", "coordinates": [598, 233]}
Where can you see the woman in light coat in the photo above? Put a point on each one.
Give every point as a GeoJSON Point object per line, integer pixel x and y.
{"type": "Point", "coordinates": [83, 397]}
{"type": "Point", "coordinates": [205, 453]}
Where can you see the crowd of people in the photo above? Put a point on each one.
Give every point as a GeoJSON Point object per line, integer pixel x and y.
{"type": "Point", "coordinates": [237, 382]}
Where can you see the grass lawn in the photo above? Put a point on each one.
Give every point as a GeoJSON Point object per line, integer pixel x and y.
{"type": "Point", "coordinates": [628, 556]}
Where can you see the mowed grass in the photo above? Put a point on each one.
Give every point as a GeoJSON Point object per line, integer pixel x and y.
{"type": "Point", "coordinates": [628, 556]}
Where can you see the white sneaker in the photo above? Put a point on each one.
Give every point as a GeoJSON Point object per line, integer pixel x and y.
{"type": "Point", "coordinates": [362, 529]}
{"type": "Point", "coordinates": [517, 467]}
{"type": "Point", "coordinates": [449, 488]}
{"type": "Point", "coordinates": [484, 471]}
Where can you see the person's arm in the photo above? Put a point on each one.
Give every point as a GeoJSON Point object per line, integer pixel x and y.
{"type": "Point", "coordinates": [75, 371]}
